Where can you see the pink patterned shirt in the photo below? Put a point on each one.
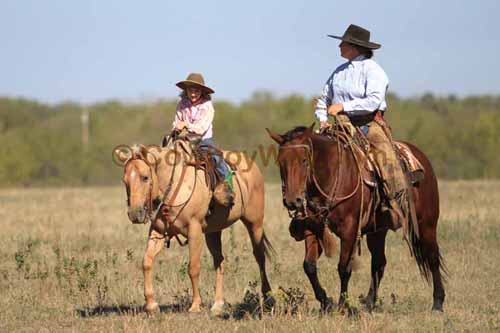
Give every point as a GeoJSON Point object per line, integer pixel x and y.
{"type": "Point", "coordinates": [198, 118]}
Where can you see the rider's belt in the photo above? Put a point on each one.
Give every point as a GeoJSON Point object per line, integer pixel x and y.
{"type": "Point", "coordinates": [366, 117]}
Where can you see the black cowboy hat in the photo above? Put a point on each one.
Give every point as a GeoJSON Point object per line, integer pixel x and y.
{"type": "Point", "coordinates": [194, 80]}
{"type": "Point", "coordinates": [357, 36]}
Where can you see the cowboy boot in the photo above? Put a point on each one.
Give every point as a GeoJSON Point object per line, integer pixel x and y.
{"type": "Point", "coordinates": [394, 188]}
{"type": "Point", "coordinates": [223, 193]}
{"type": "Point", "coordinates": [391, 207]}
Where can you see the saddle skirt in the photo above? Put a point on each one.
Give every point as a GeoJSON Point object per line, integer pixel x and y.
{"type": "Point", "coordinates": [411, 165]}
{"type": "Point", "coordinates": [204, 160]}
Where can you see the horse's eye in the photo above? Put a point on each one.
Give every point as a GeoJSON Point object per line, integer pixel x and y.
{"type": "Point", "coordinates": [144, 178]}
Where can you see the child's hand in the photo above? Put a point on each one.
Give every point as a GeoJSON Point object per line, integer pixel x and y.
{"type": "Point", "coordinates": [180, 125]}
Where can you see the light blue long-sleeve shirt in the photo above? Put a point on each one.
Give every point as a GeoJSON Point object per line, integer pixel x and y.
{"type": "Point", "coordinates": [359, 84]}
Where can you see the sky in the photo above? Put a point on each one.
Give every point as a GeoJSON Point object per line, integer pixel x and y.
{"type": "Point", "coordinates": [93, 50]}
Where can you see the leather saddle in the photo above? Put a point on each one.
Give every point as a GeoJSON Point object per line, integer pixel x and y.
{"type": "Point", "coordinates": [204, 160]}
{"type": "Point", "coordinates": [202, 157]}
{"type": "Point", "coordinates": [409, 162]}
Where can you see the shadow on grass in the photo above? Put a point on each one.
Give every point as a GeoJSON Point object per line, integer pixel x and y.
{"type": "Point", "coordinates": [125, 310]}
{"type": "Point", "coordinates": [237, 311]}
{"type": "Point", "coordinates": [181, 303]}
{"type": "Point", "coordinates": [286, 302]}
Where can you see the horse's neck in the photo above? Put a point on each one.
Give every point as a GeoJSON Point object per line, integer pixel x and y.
{"type": "Point", "coordinates": [170, 166]}
{"type": "Point", "coordinates": [332, 161]}
{"type": "Point", "coordinates": [325, 153]}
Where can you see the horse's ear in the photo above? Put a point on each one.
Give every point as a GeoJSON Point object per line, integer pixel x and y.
{"type": "Point", "coordinates": [312, 126]}
{"type": "Point", "coordinates": [122, 154]}
{"type": "Point", "coordinates": [147, 155]}
{"type": "Point", "coordinates": [309, 130]}
{"type": "Point", "coordinates": [276, 137]}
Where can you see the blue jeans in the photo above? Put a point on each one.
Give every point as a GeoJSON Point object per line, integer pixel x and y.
{"type": "Point", "coordinates": [220, 165]}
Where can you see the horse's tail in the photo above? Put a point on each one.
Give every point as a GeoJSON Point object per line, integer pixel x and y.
{"type": "Point", "coordinates": [268, 247]}
{"type": "Point", "coordinates": [424, 247]}
{"type": "Point", "coordinates": [425, 259]}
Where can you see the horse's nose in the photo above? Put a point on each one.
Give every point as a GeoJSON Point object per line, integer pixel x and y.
{"type": "Point", "coordinates": [296, 203]}
{"type": "Point", "coordinates": [137, 215]}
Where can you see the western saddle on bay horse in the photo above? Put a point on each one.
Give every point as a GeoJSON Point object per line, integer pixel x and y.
{"type": "Point", "coordinates": [413, 170]}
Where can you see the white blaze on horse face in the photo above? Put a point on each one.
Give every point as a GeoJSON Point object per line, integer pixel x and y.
{"type": "Point", "coordinates": [138, 189]}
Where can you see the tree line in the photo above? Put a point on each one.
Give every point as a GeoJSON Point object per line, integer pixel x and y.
{"type": "Point", "coordinates": [42, 144]}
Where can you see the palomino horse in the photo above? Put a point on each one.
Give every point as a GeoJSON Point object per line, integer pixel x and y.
{"type": "Point", "coordinates": [165, 187]}
{"type": "Point", "coordinates": [312, 164]}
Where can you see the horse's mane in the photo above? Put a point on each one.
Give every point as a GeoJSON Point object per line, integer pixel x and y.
{"type": "Point", "coordinates": [299, 131]}
{"type": "Point", "coordinates": [294, 133]}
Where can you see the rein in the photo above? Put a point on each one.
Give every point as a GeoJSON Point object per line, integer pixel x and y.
{"type": "Point", "coordinates": [152, 215]}
{"type": "Point", "coordinates": [170, 204]}
{"type": "Point", "coordinates": [332, 199]}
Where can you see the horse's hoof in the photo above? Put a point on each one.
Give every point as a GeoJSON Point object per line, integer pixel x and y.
{"type": "Point", "coordinates": [367, 302]}
{"type": "Point", "coordinates": [269, 303]}
{"type": "Point", "coordinates": [327, 305]}
{"type": "Point", "coordinates": [217, 309]}
{"type": "Point", "coordinates": [348, 310]}
{"type": "Point", "coordinates": [151, 308]}
{"type": "Point", "coordinates": [437, 306]}
{"type": "Point", "coordinates": [369, 306]}
{"type": "Point", "coordinates": [195, 308]}
{"type": "Point", "coordinates": [352, 311]}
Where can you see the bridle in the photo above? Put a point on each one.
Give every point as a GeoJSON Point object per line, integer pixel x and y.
{"type": "Point", "coordinates": [293, 213]}
{"type": "Point", "coordinates": [149, 203]}
{"type": "Point", "coordinates": [161, 198]}
{"type": "Point", "coordinates": [332, 200]}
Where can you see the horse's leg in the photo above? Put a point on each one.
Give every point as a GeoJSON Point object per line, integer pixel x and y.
{"type": "Point", "coordinates": [348, 240]}
{"type": "Point", "coordinates": [213, 240]}
{"type": "Point", "coordinates": [195, 241]}
{"type": "Point", "coordinates": [154, 246]}
{"type": "Point", "coordinates": [260, 246]}
{"type": "Point", "coordinates": [376, 245]}
{"type": "Point", "coordinates": [312, 254]}
{"type": "Point", "coordinates": [432, 256]}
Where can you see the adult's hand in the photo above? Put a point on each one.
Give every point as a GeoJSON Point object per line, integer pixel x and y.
{"type": "Point", "coordinates": [324, 124]}
{"type": "Point", "coordinates": [334, 109]}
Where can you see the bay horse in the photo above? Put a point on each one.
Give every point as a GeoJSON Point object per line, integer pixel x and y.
{"type": "Point", "coordinates": [166, 187]}
{"type": "Point", "coordinates": [312, 164]}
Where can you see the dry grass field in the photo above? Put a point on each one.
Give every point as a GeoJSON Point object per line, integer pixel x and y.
{"type": "Point", "coordinates": [71, 261]}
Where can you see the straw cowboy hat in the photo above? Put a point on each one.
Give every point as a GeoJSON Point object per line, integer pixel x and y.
{"type": "Point", "coordinates": [195, 80]}
{"type": "Point", "coordinates": [357, 36]}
